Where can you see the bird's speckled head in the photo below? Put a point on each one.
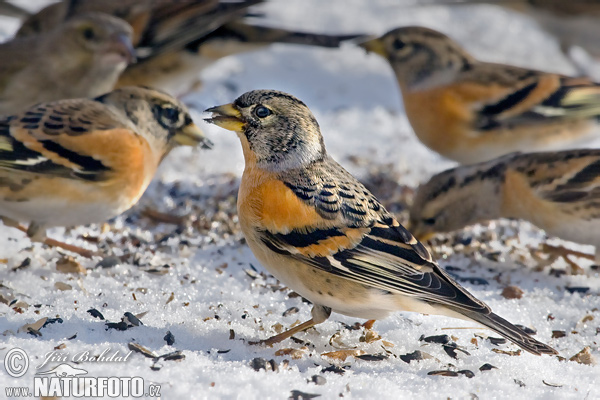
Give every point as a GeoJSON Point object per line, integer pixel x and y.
{"type": "Point", "coordinates": [157, 114]}
{"type": "Point", "coordinates": [97, 39]}
{"type": "Point", "coordinates": [278, 131]}
{"type": "Point", "coordinates": [421, 57]}
{"type": "Point", "coordinates": [456, 198]}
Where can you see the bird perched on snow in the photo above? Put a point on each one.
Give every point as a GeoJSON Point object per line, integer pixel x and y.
{"type": "Point", "coordinates": [81, 58]}
{"type": "Point", "coordinates": [80, 161]}
{"type": "Point", "coordinates": [472, 111]}
{"type": "Point", "coordinates": [322, 233]}
{"type": "Point", "coordinates": [556, 191]}
{"type": "Point", "coordinates": [177, 39]}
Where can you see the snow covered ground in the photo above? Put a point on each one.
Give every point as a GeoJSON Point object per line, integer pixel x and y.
{"type": "Point", "coordinates": [200, 282]}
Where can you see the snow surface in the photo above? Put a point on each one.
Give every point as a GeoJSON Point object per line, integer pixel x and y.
{"type": "Point", "coordinates": [197, 281]}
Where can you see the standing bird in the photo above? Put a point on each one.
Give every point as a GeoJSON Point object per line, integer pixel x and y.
{"type": "Point", "coordinates": [556, 191]}
{"type": "Point", "coordinates": [175, 40]}
{"type": "Point", "coordinates": [322, 233]}
{"type": "Point", "coordinates": [472, 111]}
{"type": "Point", "coordinates": [80, 161]}
{"type": "Point", "coordinates": [81, 58]}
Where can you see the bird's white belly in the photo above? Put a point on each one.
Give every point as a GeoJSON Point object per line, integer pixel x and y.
{"type": "Point", "coordinates": [53, 212]}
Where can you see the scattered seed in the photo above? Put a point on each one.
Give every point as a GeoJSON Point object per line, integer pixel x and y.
{"type": "Point", "coordinates": [298, 395]}
{"type": "Point", "coordinates": [223, 351]}
{"type": "Point", "coordinates": [259, 363]}
{"type": "Point", "coordinates": [156, 367]}
{"type": "Point", "coordinates": [252, 273]}
{"type": "Point", "coordinates": [169, 338]}
{"type": "Point", "coordinates": [443, 373]}
{"type": "Point", "coordinates": [487, 367]}
{"type": "Point", "coordinates": [335, 369]}
{"type": "Point", "coordinates": [34, 332]}
{"type": "Point", "coordinates": [60, 346]}
{"type": "Point", "coordinates": [584, 357]}
{"type": "Point", "coordinates": [298, 341]}
{"type": "Point", "coordinates": [109, 262]}
{"type": "Point", "coordinates": [68, 265]}
{"type": "Point", "coordinates": [370, 337]}
{"type": "Point", "coordinates": [558, 334]}
{"type": "Point", "coordinates": [469, 374]}
{"type": "Point", "coordinates": [171, 298]}
{"type": "Point", "coordinates": [141, 315]}
{"type": "Point", "coordinates": [441, 339]}
{"type": "Point", "coordinates": [318, 380]}
{"type": "Point", "coordinates": [451, 347]}
{"type": "Point", "coordinates": [95, 313]}
{"type": "Point", "coordinates": [173, 356]}
{"type": "Point", "coordinates": [343, 354]}
{"type": "Point", "coordinates": [62, 286]}
{"type": "Point", "coordinates": [165, 218]}
{"type": "Point", "coordinates": [120, 326]}
{"type": "Point", "coordinates": [131, 319]}
{"type": "Point", "coordinates": [551, 384]}
{"type": "Point", "coordinates": [416, 355]}
{"type": "Point", "coordinates": [587, 318]}
{"type": "Point", "coordinates": [373, 357]}
{"type": "Point", "coordinates": [577, 289]}
{"type": "Point", "coordinates": [24, 264]}
{"type": "Point", "coordinates": [231, 334]}
{"type": "Point", "coordinates": [290, 311]}
{"type": "Point", "coordinates": [508, 353]}
{"type": "Point", "coordinates": [52, 321]}
{"type": "Point", "coordinates": [138, 348]}
{"type": "Point", "coordinates": [296, 354]}
{"type": "Point", "coordinates": [36, 326]}
{"type": "Point", "coordinates": [274, 366]}
{"type": "Point", "coordinates": [512, 292]}
{"type": "Point", "coordinates": [519, 382]}
{"type": "Point", "coordinates": [496, 341]}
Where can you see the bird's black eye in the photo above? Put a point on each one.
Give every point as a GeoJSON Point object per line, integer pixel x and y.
{"type": "Point", "coordinates": [429, 221]}
{"type": "Point", "coordinates": [398, 44]}
{"type": "Point", "coordinates": [88, 33]}
{"type": "Point", "coordinates": [170, 114]}
{"type": "Point", "coordinates": [262, 112]}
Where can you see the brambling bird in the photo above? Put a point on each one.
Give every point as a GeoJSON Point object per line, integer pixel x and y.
{"type": "Point", "coordinates": [80, 161]}
{"type": "Point", "coordinates": [472, 111]}
{"type": "Point", "coordinates": [556, 191]}
{"type": "Point", "coordinates": [176, 40]}
{"type": "Point", "coordinates": [318, 230]}
{"type": "Point", "coordinates": [81, 58]}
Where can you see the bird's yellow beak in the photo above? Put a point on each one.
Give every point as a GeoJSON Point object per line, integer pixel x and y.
{"type": "Point", "coordinates": [191, 135]}
{"type": "Point", "coordinates": [227, 117]}
{"type": "Point", "coordinates": [374, 45]}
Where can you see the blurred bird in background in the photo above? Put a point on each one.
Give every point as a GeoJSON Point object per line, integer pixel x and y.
{"type": "Point", "coordinates": [175, 40]}
{"type": "Point", "coordinates": [83, 57]}
{"type": "Point", "coordinates": [556, 191]}
{"type": "Point", "coordinates": [472, 111]}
